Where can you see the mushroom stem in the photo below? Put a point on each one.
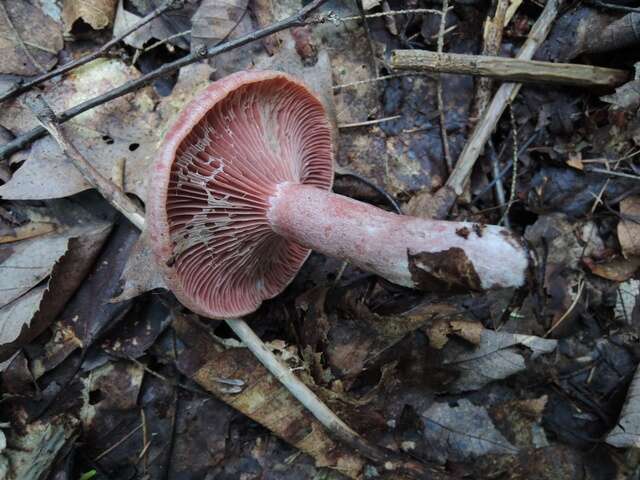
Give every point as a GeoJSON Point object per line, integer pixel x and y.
{"type": "Point", "coordinates": [422, 254]}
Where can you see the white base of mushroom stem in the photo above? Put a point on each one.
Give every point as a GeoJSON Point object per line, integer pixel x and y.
{"type": "Point", "coordinates": [422, 254]}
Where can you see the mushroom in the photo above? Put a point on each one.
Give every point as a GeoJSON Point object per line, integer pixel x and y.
{"type": "Point", "coordinates": [240, 195]}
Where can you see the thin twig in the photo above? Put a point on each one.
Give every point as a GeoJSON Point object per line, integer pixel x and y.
{"type": "Point", "coordinates": [117, 444]}
{"type": "Point", "coordinates": [369, 122]}
{"type": "Point", "coordinates": [23, 87]}
{"type": "Point", "coordinates": [105, 186]}
{"type": "Point", "coordinates": [612, 6]}
{"type": "Point", "coordinates": [505, 94]}
{"type": "Point", "coordinates": [18, 39]}
{"type": "Point", "coordinates": [392, 13]}
{"type": "Point", "coordinates": [298, 19]}
{"type": "Point", "coordinates": [613, 173]}
{"type": "Point", "coordinates": [514, 174]}
{"type": "Point", "coordinates": [570, 309]}
{"type": "Point", "coordinates": [443, 120]}
{"type": "Point", "coordinates": [381, 78]}
{"type": "Point", "coordinates": [165, 40]}
{"type": "Point", "coordinates": [495, 171]}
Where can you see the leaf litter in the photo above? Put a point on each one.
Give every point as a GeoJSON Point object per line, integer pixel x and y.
{"type": "Point", "coordinates": [105, 372]}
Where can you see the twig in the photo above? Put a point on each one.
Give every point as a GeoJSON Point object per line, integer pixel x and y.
{"type": "Point", "coordinates": [117, 444]}
{"type": "Point", "coordinates": [491, 41]}
{"type": "Point", "coordinates": [392, 13]}
{"type": "Point", "coordinates": [612, 6]}
{"type": "Point", "coordinates": [569, 310]}
{"type": "Point", "coordinates": [613, 173]}
{"type": "Point", "coordinates": [514, 174]}
{"type": "Point", "coordinates": [497, 180]}
{"type": "Point", "coordinates": [18, 39]}
{"type": "Point", "coordinates": [441, 112]}
{"type": "Point", "coordinates": [109, 190]}
{"type": "Point", "coordinates": [367, 32]}
{"type": "Point", "coordinates": [165, 40]}
{"type": "Point", "coordinates": [503, 96]}
{"type": "Point", "coordinates": [512, 69]}
{"type": "Point", "coordinates": [298, 19]}
{"type": "Point", "coordinates": [295, 386]}
{"type": "Point", "coordinates": [369, 122]}
{"type": "Point", "coordinates": [23, 87]}
{"type": "Point", "coordinates": [380, 79]}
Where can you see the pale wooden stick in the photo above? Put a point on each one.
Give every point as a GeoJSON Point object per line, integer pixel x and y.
{"type": "Point", "coordinates": [503, 96]}
{"type": "Point", "coordinates": [512, 69]}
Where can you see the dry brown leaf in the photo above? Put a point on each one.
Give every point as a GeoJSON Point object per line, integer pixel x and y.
{"type": "Point", "coordinates": [214, 20]}
{"type": "Point", "coordinates": [126, 128]}
{"type": "Point", "coordinates": [629, 226]}
{"type": "Point", "coordinates": [617, 269]}
{"type": "Point", "coordinates": [29, 39]}
{"type": "Point", "coordinates": [97, 13]}
{"type": "Point", "coordinates": [262, 398]}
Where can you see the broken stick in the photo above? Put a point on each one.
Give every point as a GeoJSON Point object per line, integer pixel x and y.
{"type": "Point", "coordinates": [505, 94]}
{"type": "Point", "coordinates": [511, 69]}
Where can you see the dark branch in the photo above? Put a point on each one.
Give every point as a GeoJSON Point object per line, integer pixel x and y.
{"type": "Point", "coordinates": [20, 87]}
{"type": "Point", "coordinates": [298, 19]}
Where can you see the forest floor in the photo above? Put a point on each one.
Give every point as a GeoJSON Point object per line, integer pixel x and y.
{"type": "Point", "coordinates": [104, 375]}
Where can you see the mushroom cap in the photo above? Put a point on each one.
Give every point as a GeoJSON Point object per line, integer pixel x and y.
{"type": "Point", "coordinates": [210, 189]}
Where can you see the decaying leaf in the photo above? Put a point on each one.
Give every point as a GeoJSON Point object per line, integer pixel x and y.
{"type": "Point", "coordinates": [618, 269]}
{"type": "Point", "coordinates": [126, 128]}
{"type": "Point", "coordinates": [489, 355]}
{"type": "Point", "coordinates": [29, 39]}
{"type": "Point", "coordinates": [172, 25]}
{"type": "Point", "coordinates": [460, 430]}
{"type": "Point", "coordinates": [32, 450]}
{"type": "Point", "coordinates": [626, 433]}
{"type": "Point", "coordinates": [41, 274]}
{"type": "Point", "coordinates": [627, 299]}
{"type": "Point", "coordinates": [625, 97]}
{"type": "Point", "coordinates": [214, 20]}
{"type": "Point", "coordinates": [629, 226]}
{"type": "Point", "coordinates": [263, 397]}
{"type": "Point", "coordinates": [140, 274]}
{"type": "Point", "coordinates": [97, 13]}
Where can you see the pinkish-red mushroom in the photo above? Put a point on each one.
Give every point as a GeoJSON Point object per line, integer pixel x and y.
{"type": "Point", "coordinates": [240, 194]}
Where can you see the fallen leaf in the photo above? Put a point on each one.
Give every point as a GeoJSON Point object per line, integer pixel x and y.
{"type": "Point", "coordinates": [167, 26]}
{"type": "Point", "coordinates": [97, 13]}
{"type": "Point", "coordinates": [214, 20]}
{"type": "Point", "coordinates": [496, 356]}
{"type": "Point", "coordinates": [34, 447]}
{"type": "Point", "coordinates": [26, 263]}
{"type": "Point", "coordinates": [627, 299]}
{"type": "Point", "coordinates": [629, 226]}
{"type": "Point", "coordinates": [626, 434]}
{"type": "Point", "coordinates": [263, 398]}
{"type": "Point", "coordinates": [29, 39]}
{"type": "Point", "coordinates": [62, 259]}
{"type": "Point", "coordinates": [140, 273]}
{"type": "Point", "coordinates": [618, 269]}
{"type": "Point", "coordinates": [459, 431]}
{"type": "Point", "coordinates": [626, 97]}
{"type": "Point", "coordinates": [126, 128]}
